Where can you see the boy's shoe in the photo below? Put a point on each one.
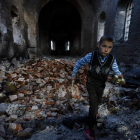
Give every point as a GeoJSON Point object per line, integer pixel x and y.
{"type": "Point", "coordinates": [90, 134]}
{"type": "Point", "coordinates": [97, 115]}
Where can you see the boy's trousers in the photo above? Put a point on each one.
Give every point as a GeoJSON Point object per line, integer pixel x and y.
{"type": "Point", "coordinates": [95, 96]}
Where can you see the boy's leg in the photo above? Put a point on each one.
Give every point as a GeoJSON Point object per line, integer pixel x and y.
{"type": "Point", "coordinates": [95, 95]}
{"type": "Point", "coordinates": [100, 93]}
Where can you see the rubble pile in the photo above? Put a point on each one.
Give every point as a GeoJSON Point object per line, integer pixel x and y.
{"type": "Point", "coordinates": [39, 95]}
{"type": "Point", "coordinates": [41, 89]}
{"type": "Point", "coordinates": [44, 83]}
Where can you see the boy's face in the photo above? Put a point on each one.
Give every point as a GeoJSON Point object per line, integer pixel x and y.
{"type": "Point", "coordinates": [105, 47]}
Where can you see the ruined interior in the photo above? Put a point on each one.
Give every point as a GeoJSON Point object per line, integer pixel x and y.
{"type": "Point", "coordinates": [59, 29]}
{"type": "Point", "coordinates": [40, 42]}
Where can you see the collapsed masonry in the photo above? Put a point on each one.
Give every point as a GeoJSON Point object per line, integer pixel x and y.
{"type": "Point", "coordinates": [39, 93]}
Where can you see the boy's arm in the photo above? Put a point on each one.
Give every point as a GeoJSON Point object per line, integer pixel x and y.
{"type": "Point", "coordinates": [115, 68]}
{"type": "Point", "coordinates": [80, 63]}
{"type": "Point", "coordinates": [116, 71]}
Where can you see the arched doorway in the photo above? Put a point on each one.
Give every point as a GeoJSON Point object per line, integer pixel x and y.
{"type": "Point", "coordinates": [101, 25]}
{"type": "Point", "coordinates": [59, 29]}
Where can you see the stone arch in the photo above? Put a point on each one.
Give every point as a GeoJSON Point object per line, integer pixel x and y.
{"type": "Point", "coordinates": [121, 19]}
{"type": "Point", "coordinates": [101, 25]}
{"type": "Point", "coordinates": [50, 39]}
{"type": "Point", "coordinates": [31, 16]}
{"type": "Point", "coordinates": [75, 3]}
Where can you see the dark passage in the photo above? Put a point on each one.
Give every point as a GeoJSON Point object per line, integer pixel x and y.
{"type": "Point", "coordinates": [59, 29]}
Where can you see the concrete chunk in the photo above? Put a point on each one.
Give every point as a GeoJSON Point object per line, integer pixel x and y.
{"type": "Point", "coordinates": [13, 97]}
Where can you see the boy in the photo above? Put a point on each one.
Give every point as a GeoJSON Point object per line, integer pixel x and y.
{"type": "Point", "coordinates": [100, 62]}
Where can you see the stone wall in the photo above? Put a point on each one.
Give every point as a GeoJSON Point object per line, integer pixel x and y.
{"type": "Point", "coordinates": [125, 51]}
{"type": "Point", "coordinates": [24, 25]}
{"type": "Point", "coordinates": [32, 10]}
{"type": "Point", "coordinates": [24, 19]}
{"type": "Point", "coordinates": [5, 30]}
{"type": "Point", "coordinates": [13, 41]}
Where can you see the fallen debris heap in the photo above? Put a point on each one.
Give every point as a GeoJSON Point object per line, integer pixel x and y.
{"type": "Point", "coordinates": [39, 95]}
{"type": "Point", "coordinates": [40, 89]}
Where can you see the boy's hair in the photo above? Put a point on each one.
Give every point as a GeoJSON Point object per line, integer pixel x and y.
{"type": "Point", "coordinates": [107, 38]}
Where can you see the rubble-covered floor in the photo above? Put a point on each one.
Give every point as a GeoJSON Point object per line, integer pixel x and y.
{"type": "Point", "coordinates": [41, 104]}
{"type": "Point", "coordinates": [120, 123]}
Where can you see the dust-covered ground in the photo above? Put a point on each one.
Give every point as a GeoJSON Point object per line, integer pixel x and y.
{"type": "Point", "coordinates": [45, 120]}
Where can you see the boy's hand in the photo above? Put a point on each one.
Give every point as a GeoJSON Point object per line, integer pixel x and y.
{"type": "Point", "coordinates": [121, 76]}
{"type": "Point", "coordinates": [73, 80]}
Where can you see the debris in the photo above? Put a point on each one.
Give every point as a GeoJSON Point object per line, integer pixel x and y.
{"type": "Point", "coordinates": [42, 90]}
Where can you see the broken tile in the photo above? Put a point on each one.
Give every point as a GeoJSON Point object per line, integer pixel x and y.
{"type": "Point", "coordinates": [13, 97]}
{"type": "Point", "coordinates": [20, 96]}
{"type": "Point", "coordinates": [51, 102]}
{"type": "Point", "coordinates": [13, 117]}
{"type": "Point", "coordinates": [34, 107]}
